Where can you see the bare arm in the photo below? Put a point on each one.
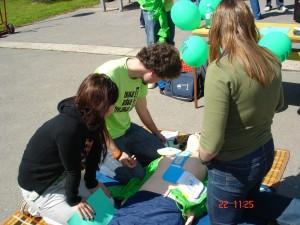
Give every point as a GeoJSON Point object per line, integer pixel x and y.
{"type": "Point", "coordinates": [111, 146]}
{"type": "Point", "coordinates": [190, 220]}
{"type": "Point", "coordinates": [204, 156]}
{"type": "Point", "coordinates": [123, 157]}
{"type": "Point", "coordinates": [193, 145]}
{"type": "Point", "coordinates": [144, 114]}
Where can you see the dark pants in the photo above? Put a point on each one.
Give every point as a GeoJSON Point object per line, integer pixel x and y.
{"type": "Point", "coordinates": [136, 141]}
{"type": "Point", "coordinates": [278, 3]}
{"type": "Point", "coordinates": [147, 208]}
{"type": "Point", "coordinates": [142, 21]}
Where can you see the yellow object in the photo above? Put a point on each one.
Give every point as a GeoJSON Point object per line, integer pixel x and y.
{"type": "Point", "coordinates": [295, 54]}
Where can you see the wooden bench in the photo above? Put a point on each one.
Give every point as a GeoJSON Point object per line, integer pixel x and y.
{"type": "Point", "coordinates": [295, 54]}
{"type": "Point", "coordinates": [272, 179]}
{"type": "Point", "coordinates": [19, 218]}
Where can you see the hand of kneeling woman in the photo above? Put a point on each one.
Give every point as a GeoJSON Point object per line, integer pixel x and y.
{"type": "Point", "coordinates": [85, 210]}
{"type": "Point", "coordinates": [128, 161]}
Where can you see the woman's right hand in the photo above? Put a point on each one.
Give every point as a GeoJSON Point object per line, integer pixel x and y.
{"type": "Point", "coordinates": [85, 210]}
{"type": "Point", "coordinates": [128, 161]}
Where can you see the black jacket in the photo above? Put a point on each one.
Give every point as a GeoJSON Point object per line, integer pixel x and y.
{"type": "Point", "coordinates": [57, 147]}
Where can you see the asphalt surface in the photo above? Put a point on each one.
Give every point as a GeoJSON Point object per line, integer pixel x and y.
{"type": "Point", "coordinates": [53, 56]}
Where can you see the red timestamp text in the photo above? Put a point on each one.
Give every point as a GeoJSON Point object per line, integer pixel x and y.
{"type": "Point", "coordinates": [236, 204]}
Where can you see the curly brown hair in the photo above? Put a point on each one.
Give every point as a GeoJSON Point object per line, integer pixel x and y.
{"type": "Point", "coordinates": [163, 59]}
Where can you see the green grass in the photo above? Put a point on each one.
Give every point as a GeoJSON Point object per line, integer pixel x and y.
{"type": "Point", "coordinates": [22, 12]}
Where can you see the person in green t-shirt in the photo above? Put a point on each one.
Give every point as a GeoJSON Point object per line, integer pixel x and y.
{"type": "Point", "coordinates": [243, 90]}
{"type": "Point", "coordinates": [131, 75]}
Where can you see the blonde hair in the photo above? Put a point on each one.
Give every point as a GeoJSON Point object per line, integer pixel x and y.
{"type": "Point", "coordinates": [233, 34]}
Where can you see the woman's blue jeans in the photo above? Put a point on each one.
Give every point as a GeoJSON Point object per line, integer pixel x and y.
{"type": "Point", "coordinates": [255, 9]}
{"type": "Point", "coordinates": [233, 185]}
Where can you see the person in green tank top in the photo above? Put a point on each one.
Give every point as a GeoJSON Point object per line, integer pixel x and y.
{"type": "Point", "coordinates": [128, 140]}
{"type": "Point", "coordinates": [243, 90]}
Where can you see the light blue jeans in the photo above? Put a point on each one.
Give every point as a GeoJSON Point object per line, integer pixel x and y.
{"type": "Point", "coordinates": [234, 196]}
{"type": "Point", "coordinates": [255, 9]}
{"type": "Point", "coordinates": [136, 141]}
{"type": "Point", "coordinates": [233, 185]}
{"type": "Point", "coordinates": [152, 27]}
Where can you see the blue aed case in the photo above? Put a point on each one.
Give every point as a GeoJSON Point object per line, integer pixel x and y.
{"type": "Point", "coordinates": [172, 174]}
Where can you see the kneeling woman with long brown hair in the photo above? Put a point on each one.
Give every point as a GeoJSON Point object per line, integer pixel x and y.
{"type": "Point", "coordinates": [50, 170]}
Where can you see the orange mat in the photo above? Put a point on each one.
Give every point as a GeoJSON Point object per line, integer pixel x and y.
{"type": "Point", "coordinates": [19, 218]}
{"type": "Point", "coordinates": [272, 179]}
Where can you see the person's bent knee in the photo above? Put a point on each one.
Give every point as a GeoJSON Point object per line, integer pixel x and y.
{"type": "Point", "coordinates": [125, 174]}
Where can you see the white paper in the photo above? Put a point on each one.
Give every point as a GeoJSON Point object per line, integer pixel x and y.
{"type": "Point", "coordinates": [190, 186]}
{"type": "Point", "coordinates": [169, 135]}
{"type": "Point", "coordinates": [168, 151]}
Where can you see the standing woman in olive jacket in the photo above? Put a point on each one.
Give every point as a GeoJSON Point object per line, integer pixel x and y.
{"type": "Point", "coordinates": [50, 170]}
{"type": "Point", "coordinates": [243, 90]}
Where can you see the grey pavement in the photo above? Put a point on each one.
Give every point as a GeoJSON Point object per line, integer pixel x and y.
{"type": "Point", "coordinates": [33, 81]}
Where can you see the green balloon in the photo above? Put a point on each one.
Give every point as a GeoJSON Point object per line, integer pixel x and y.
{"type": "Point", "coordinates": [185, 15]}
{"type": "Point", "coordinates": [203, 4]}
{"type": "Point", "coordinates": [278, 43]}
{"type": "Point", "coordinates": [194, 51]}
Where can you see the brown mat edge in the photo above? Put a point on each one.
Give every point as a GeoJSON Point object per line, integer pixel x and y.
{"type": "Point", "coordinates": [16, 218]}
{"type": "Point", "coordinates": [272, 181]}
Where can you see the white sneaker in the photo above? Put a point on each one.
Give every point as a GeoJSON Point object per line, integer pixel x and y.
{"type": "Point", "coordinates": [24, 208]}
{"type": "Point", "coordinates": [152, 85]}
{"type": "Point", "coordinates": [282, 9]}
{"type": "Point", "coordinates": [27, 210]}
{"type": "Point", "coordinates": [51, 221]}
{"type": "Point", "coordinates": [268, 8]}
